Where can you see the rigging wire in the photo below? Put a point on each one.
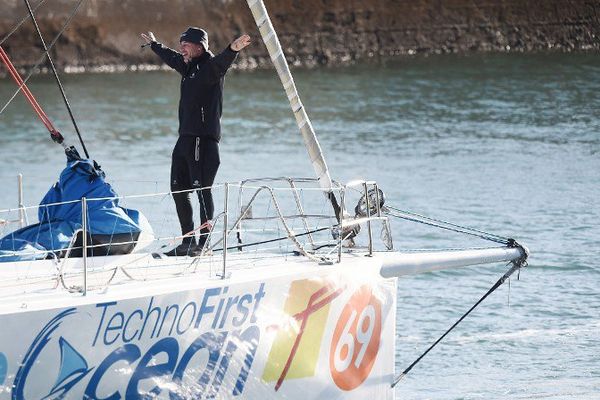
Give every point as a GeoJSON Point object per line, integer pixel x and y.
{"type": "Point", "coordinates": [62, 91]}
{"type": "Point", "coordinates": [25, 18]}
{"type": "Point", "coordinates": [414, 217]}
{"type": "Point", "coordinates": [517, 265]}
{"type": "Point", "coordinates": [39, 61]}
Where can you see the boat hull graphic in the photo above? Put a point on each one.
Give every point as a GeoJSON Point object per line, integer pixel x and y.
{"type": "Point", "coordinates": [315, 332]}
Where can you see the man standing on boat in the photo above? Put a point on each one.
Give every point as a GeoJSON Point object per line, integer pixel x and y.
{"type": "Point", "coordinates": [195, 158]}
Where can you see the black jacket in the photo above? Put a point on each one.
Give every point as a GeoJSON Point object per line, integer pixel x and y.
{"type": "Point", "coordinates": [201, 101]}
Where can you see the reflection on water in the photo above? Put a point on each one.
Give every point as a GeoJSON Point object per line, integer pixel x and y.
{"type": "Point", "coordinates": [505, 143]}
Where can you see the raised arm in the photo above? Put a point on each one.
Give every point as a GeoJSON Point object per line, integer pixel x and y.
{"type": "Point", "coordinates": [222, 61]}
{"type": "Point", "coordinates": [169, 56]}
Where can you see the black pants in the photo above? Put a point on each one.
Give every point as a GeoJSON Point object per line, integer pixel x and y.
{"type": "Point", "coordinates": [194, 165]}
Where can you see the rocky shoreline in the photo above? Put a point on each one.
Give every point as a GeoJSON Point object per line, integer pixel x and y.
{"type": "Point", "coordinates": [104, 35]}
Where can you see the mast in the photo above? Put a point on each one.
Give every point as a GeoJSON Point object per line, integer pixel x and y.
{"type": "Point", "coordinates": [269, 36]}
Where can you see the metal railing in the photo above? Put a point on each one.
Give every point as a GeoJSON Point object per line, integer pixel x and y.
{"type": "Point", "coordinates": [344, 231]}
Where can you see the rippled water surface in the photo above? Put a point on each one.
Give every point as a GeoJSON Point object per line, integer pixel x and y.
{"type": "Point", "coordinates": [506, 143]}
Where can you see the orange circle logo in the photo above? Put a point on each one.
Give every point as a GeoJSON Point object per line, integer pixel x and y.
{"type": "Point", "coordinates": [356, 338]}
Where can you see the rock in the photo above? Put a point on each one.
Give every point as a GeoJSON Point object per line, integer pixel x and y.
{"type": "Point", "coordinates": [312, 32]}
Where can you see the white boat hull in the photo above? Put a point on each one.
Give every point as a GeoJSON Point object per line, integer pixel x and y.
{"type": "Point", "coordinates": [285, 328]}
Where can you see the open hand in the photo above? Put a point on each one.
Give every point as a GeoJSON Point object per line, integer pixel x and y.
{"type": "Point", "coordinates": [241, 42]}
{"type": "Point", "coordinates": [149, 38]}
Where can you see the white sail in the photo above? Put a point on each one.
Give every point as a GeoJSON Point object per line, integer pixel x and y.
{"type": "Point", "coordinates": [269, 36]}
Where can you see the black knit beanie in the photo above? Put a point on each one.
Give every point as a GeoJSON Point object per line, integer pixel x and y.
{"type": "Point", "coordinates": [195, 35]}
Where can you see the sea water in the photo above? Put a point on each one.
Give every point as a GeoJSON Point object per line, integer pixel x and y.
{"type": "Point", "coordinates": [507, 143]}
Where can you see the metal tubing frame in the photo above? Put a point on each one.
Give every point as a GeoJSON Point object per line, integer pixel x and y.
{"type": "Point", "coordinates": [368, 206]}
{"type": "Point", "coordinates": [377, 199]}
{"type": "Point", "coordinates": [301, 210]}
{"type": "Point", "coordinates": [386, 225]}
{"type": "Point", "coordinates": [341, 232]}
{"type": "Point", "coordinates": [20, 197]}
{"type": "Point", "coordinates": [289, 232]}
{"type": "Point", "coordinates": [292, 183]}
{"type": "Point", "coordinates": [84, 242]}
{"type": "Point", "coordinates": [225, 211]}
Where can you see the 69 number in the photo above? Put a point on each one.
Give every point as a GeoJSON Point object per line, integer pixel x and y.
{"type": "Point", "coordinates": [356, 340]}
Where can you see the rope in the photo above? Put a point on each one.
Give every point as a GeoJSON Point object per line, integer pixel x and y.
{"type": "Point", "coordinates": [60, 87]}
{"type": "Point", "coordinates": [39, 61]}
{"type": "Point", "coordinates": [25, 18]}
{"type": "Point", "coordinates": [517, 265]}
{"type": "Point", "coordinates": [413, 217]}
{"type": "Point", "coordinates": [27, 93]}
{"type": "Point", "coordinates": [276, 239]}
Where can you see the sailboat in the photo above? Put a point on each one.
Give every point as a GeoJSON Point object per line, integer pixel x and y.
{"type": "Point", "coordinates": [317, 321]}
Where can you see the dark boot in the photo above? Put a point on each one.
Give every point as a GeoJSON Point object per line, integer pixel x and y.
{"type": "Point", "coordinates": [202, 239]}
{"type": "Point", "coordinates": [188, 247]}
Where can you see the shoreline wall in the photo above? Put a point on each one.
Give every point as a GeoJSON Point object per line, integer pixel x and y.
{"type": "Point", "coordinates": [312, 32]}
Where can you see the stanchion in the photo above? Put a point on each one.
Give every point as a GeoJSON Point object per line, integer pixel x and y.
{"type": "Point", "coordinates": [84, 242]}
{"type": "Point", "coordinates": [225, 211]}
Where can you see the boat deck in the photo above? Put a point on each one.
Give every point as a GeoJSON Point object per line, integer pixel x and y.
{"type": "Point", "coordinates": [35, 285]}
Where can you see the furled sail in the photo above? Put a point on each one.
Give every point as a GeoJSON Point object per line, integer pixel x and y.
{"type": "Point", "coordinates": [112, 229]}
{"type": "Point", "coordinates": [271, 40]}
